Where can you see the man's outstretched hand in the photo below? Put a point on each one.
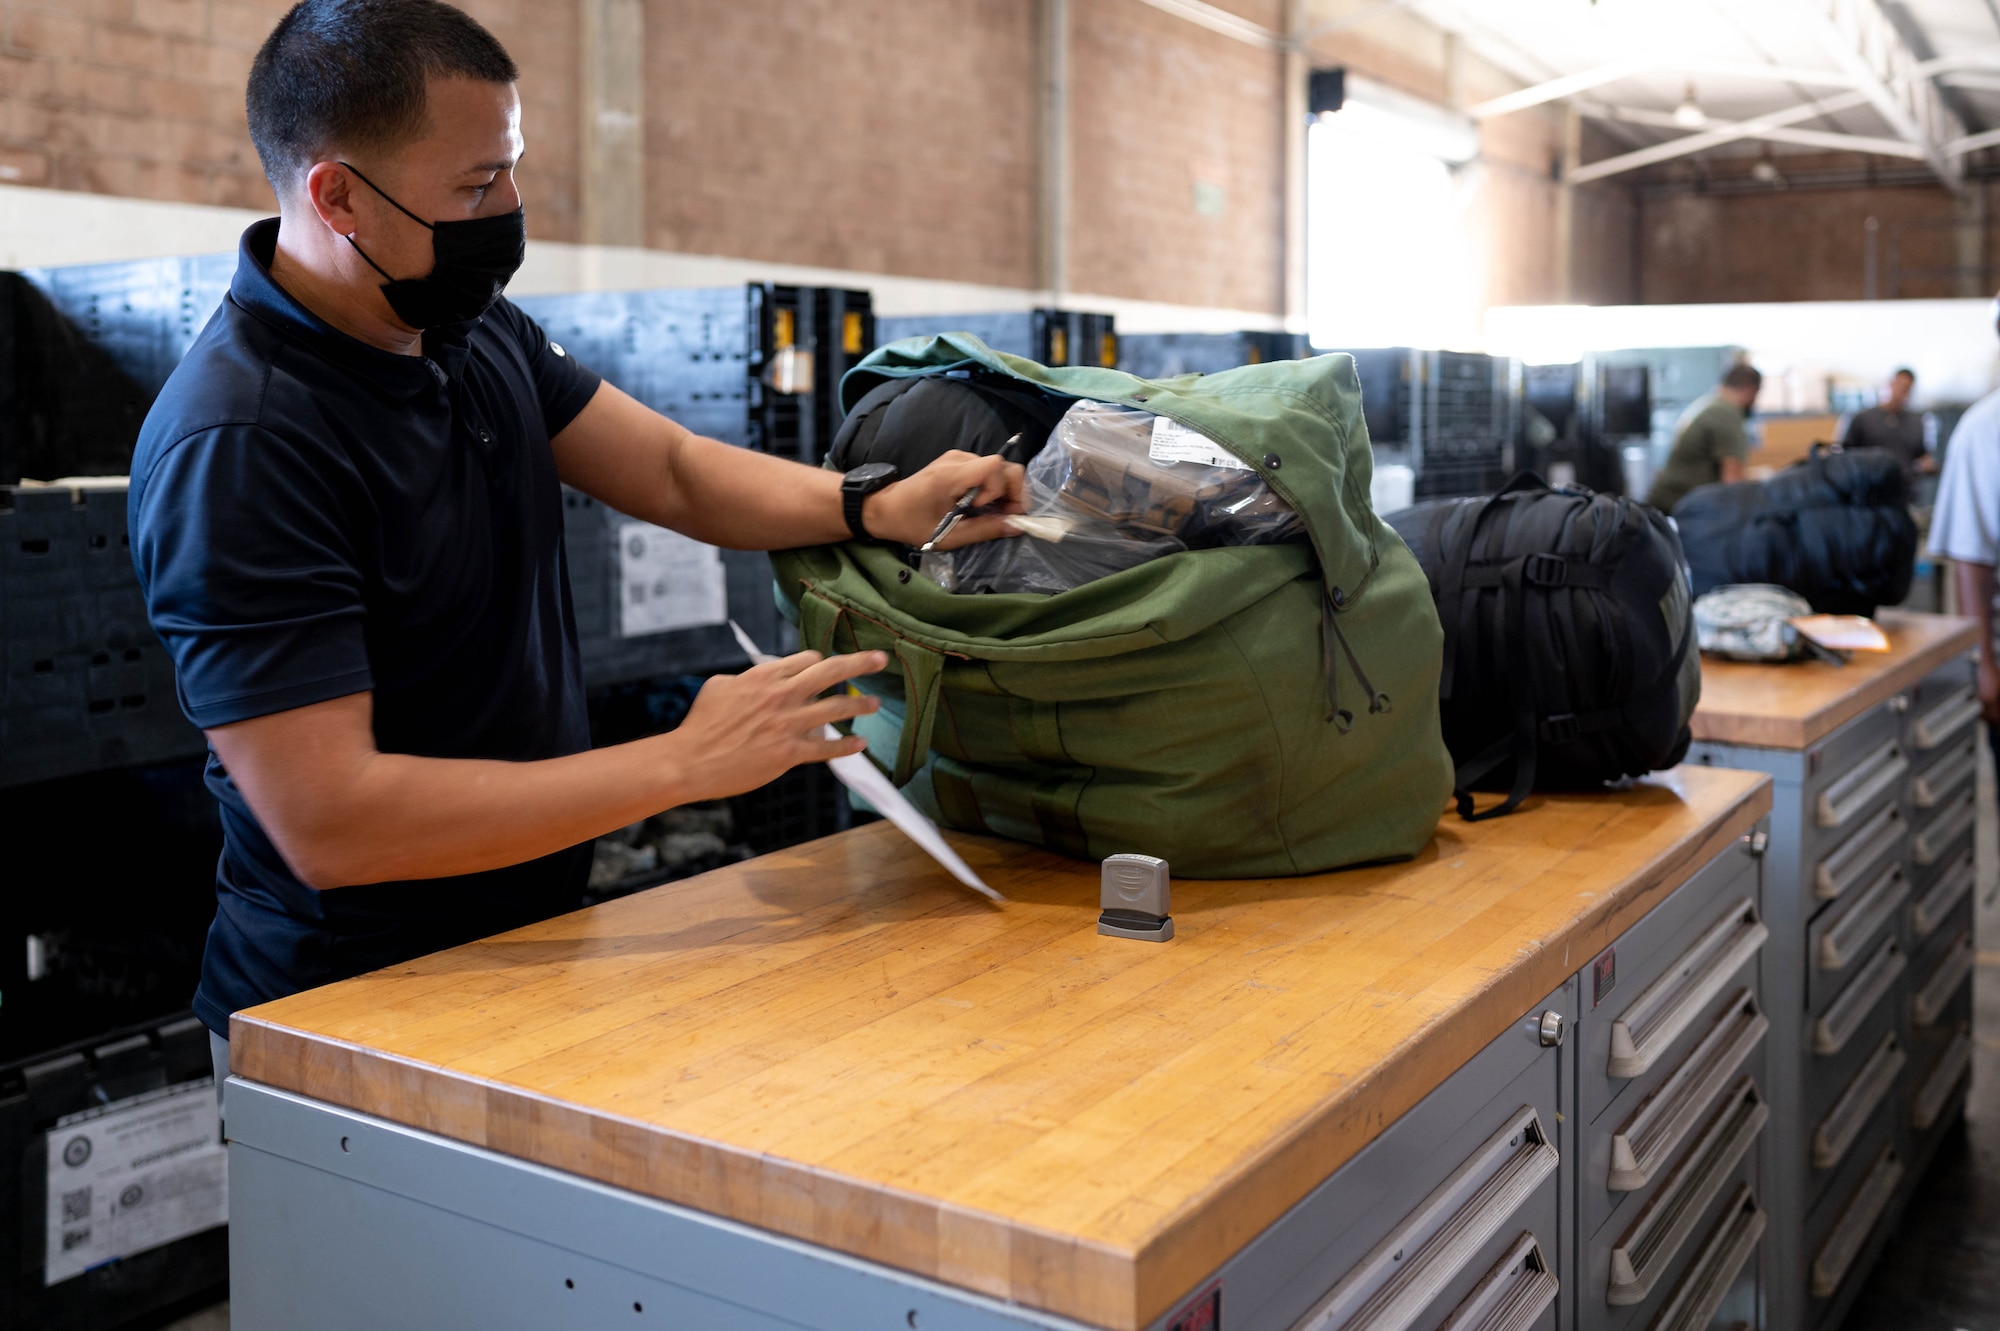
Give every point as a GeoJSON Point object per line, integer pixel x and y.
{"type": "Point", "coordinates": [747, 730]}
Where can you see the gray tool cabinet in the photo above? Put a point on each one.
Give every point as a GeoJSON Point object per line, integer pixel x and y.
{"type": "Point", "coordinates": [1596, 1166]}
{"type": "Point", "coordinates": [1869, 895]}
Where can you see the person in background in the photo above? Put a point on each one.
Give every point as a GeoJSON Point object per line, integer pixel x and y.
{"type": "Point", "coordinates": [1709, 443]}
{"type": "Point", "coordinates": [1893, 427]}
{"type": "Point", "coordinates": [1965, 528]}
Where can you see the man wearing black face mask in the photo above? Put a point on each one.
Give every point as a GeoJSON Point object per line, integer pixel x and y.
{"type": "Point", "coordinates": [347, 519]}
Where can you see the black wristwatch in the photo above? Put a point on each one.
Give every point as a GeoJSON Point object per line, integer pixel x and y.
{"type": "Point", "coordinates": [857, 485]}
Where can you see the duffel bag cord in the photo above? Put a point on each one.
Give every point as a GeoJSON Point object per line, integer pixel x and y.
{"type": "Point", "coordinates": [1329, 634]}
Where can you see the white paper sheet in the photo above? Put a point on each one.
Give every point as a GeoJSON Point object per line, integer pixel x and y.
{"type": "Point", "coordinates": [865, 779]}
{"type": "Point", "coordinates": [667, 581]}
{"type": "Point", "coordinates": [133, 1175]}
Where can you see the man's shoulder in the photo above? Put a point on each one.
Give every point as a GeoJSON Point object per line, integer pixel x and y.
{"type": "Point", "coordinates": [223, 380]}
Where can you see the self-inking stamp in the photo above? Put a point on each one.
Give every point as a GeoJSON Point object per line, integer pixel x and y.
{"type": "Point", "coordinates": [1135, 899]}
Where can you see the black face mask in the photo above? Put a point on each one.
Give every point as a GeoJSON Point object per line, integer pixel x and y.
{"type": "Point", "coordinates": [475, 259]}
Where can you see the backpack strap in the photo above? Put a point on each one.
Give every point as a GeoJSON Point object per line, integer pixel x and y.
{"type": "Point", "coordinates": [923, 676]}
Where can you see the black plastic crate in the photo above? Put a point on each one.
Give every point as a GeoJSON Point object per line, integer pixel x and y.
{"type": "Point", "coordinates": [1050, 336]}
{"type": "Point", "coordinates": [84, 682]}
{"type": "Point", "coordinates": [111, 1071]}
{"type": "Point", "coordinates": [803, 804]}
{"type": "Point", "coordinates": [617, 646]}
{"type": "Point", "coordinates": [1165, 355]}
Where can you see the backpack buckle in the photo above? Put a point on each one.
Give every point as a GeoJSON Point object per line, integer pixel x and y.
{"type": "Point", "coordinates": [1545, 570]}
{"type": "Point", "coordinates": [1561, 729]}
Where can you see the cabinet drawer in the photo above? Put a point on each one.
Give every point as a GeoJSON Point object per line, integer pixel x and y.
{"type": "Point", "coordinates": [1850, 797]}
{"type": "Point", "coordinates": [1601, 1273]}
{"type": "Point", "coordinates": [1290, 1269]}
{"type": "Point", "coordinates": [1656, 989]}
{"type": "Point", "coordinates": [1941, 1083]}
{"type": "Point", "coordinates": [1721, 1271]}
{"type": "Point", "coordinates": [1858, 999]}
{"type": "Point", "coordinates": [1838, 1248]}
{"type": "Point", "coordinates": [1937, 987]}
{"type": "Point", "coordinates": [1941, 901]}
{"type": "Point", "coordinates": [1653, 1245]}
{"type": "Point", "coordinates": [1858, 858]}
{"type": "Point", "coordinates": [1625, 1163]}
{"type": "Point", "coordinates": [1441, 1242]}
{"type": "Point", "coordinates": [1947, 827]}
{"type": "Point", "coordinates": [1936, 725]}
{"type": "Point", "coordinates": [1871, 1088]}
{"type": "Point", "coordinates": [1518, 1294]}
{"type": "Point", "coordinates": [1847, 932]}
{"type": "Point", "coordinates": [1947, 775]}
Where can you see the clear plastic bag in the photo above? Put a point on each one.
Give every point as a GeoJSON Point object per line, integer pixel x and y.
{"type": "Point", "coordinates": [1115, 488]}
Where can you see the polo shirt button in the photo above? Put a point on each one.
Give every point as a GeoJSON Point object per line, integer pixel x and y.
{"type": "Point", "coordinates": [485, 438]}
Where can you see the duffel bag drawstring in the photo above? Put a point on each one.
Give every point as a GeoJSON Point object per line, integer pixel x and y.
{"type": "Point", "coordinates": [1329, 634]}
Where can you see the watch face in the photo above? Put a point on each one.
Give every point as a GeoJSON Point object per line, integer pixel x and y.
{"type": "Point", "coordinates": [870, 476]}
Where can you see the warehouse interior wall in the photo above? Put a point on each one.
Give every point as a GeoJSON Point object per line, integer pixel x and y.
{"type": "Point", "coordinates": [823, 135]}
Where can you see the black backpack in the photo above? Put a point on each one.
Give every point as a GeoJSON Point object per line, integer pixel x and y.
{"type": "Point", "coordinates": [911, 421]}
{"type": "Point", "coordinates": [1835, 528]}
{"type": "Point", "coordinates": [1569, 642]}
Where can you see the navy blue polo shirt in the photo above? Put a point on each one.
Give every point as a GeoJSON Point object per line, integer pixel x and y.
{"type": "Point", "coordinates": [313, 517]}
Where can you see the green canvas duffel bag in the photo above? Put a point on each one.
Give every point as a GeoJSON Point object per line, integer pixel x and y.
{"type": "Point", "coordinates": [1244, 711]}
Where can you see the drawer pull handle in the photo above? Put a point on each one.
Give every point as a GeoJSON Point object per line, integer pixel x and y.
{"type": "Point", "coordinates": [1934, 995]}
{"type": "Point", "coordinates": [1687, 1097]}
{"type": "Point", "coordinates": [1844, 1017]}
{"type": "Point", "coordinates": [1861, 920]}
{"type": "Point", "coordinates": [1851, 1231]}
{"type": "Point", "coordinates": [1655, 1239]}
{"type": "Point", "coordinates": [1512, 1295]}
{"type": "Point", "coordinates": [1942, 833]}
{"type": "Point", "coordinates": [1935, 784]}
{"type": "Point", "coordinates": [1941, 722]}
{"type": "Point", "coordinates": [1934, 907]}
{"type": "Point", "coordinates": [1390, 1287]}
{"type": "Point", "coordinates": [1857, 1104]}
{"type": "Point", "coordinates": [1857, 856]}
{"type": "Point", "coordinates": [1936, 1091]}
{"type": "Point", "coordinates": [1857, 791]}
{"type": "Point", "coordinates": [1708, 1281]}
{"type": "Point", "coordinates": [1672, 1003]}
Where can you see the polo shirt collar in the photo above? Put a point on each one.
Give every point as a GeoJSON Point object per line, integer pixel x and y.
{"type": "Point", "coordinates": [399, 377]}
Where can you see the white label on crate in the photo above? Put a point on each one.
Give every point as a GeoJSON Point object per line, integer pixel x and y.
{"type": "Point", "coordinates": [134, 1175]}
{"type": "Point", "coordinates": [667, 581]}
{"type": "Point", "coordinates": [1174, 442]}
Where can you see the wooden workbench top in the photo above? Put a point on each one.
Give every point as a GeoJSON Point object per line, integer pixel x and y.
{"type": "Point", "coordinates": [837, 1043]}
{"type": "Point", "coordinates": [1797, 703]}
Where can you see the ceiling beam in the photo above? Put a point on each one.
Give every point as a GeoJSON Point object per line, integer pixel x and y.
{"type": "Point", "coordinates": [1804, 138]}
{"type": "Point", "coordinates": [1217, 19]}
{"type": "Point", "coordinates": [1863, 43]}
{"type": "Point", "coordinates": [1571, 84]}
{"type": "Point", "coordinates": [1715, 137]}
{"type": "Point", "coordinates": [1972, 143]}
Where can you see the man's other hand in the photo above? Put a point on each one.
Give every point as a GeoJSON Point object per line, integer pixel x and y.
{"type": "Point", "coordinates": [747, 730]}
{"type": "Point", "coordinates": [910, 510]}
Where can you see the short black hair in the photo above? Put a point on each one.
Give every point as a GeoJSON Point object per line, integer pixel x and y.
{"type": "Point", "coordinates": [1906, 371]}
{"type": "Point", "coordinates": [353, 72]}
{"type": "Point", "coordinates": [1743, 376]}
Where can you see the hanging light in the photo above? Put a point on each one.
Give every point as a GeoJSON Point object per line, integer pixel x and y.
{"type": "Point", "coordinates": [1688, 115]}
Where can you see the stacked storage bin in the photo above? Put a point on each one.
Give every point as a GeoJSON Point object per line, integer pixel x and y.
{"type": "Point", "coordinates": [86, 685]}
{"type": "Point", "coordinates": [1052, 337]}
{"type": "Point", "coordinates": [1164, 355]}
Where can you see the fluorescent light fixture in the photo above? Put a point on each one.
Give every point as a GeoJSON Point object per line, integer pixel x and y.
{"type": "Point", "coordinates": [1689, 115]}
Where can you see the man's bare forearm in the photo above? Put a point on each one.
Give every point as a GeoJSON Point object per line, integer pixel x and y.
{"type": "Point", "coordinates": [1975, 601]}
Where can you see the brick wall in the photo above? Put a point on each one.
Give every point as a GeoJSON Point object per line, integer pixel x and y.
{"type": "Point", "coordinates": [1781, 245]}
{"type": "Point", "coordinates": [876, 135]}
{"type": "Point", "coordinates": [144, 98]}
{"type": "Point", "coordinates": [1177, 138]}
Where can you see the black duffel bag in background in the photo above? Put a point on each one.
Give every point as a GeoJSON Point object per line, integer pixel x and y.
{"type": "Point", "coordinates": [1569, 642]}
{"type": "Point", "coordinates": [1835, 528]}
